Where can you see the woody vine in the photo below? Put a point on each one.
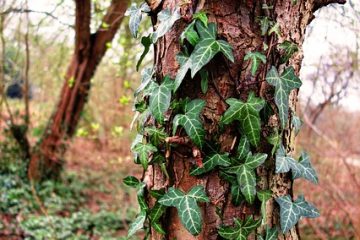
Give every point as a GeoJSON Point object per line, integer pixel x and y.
{"type": "Point", "coordinates": [164, 121]}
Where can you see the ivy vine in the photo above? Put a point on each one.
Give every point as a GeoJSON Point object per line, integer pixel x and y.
{"type": "Point", "coordinates": [158, 109]}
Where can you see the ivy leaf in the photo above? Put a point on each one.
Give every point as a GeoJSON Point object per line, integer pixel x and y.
{"type": "Point", "coordinates": [157, 135]}
{"type": "Point", "coordinates": [185, 64]}
{"type": "Point", "coordinates": [204, 31]}
{"type": "Point", "coordinates": [135, 14]}
{"type": "Point", "coordinates": [236, 196]}
{"type": "Point", "coordinates": [167, 20]}
{"type": "Point", "coordinates": [241, 230]}
{"type": "Point", "coordinates": [158, 228]}
{"type": "Point", "coordinates": [190, 121]}
{"type": "Point", "coordinates": [305, 169]}
{"type": "Point", "coordinates": [204, 80]}
{"type": "Point", "coordinates": [271, 234]}
{"type": "Point", "coordinates": [253, 161]}
{"type": "Point", "coordinates": [198, 193]}
{"type": "Point", "coordinates": [160, 99]}
{"type": "Point", "coordinates": [146, 42]}
{"type": "Point", "coordinates": [172, 198]}
{"type": "Point", "coordinates": [296, 123]}
{"type": "Point", "coordinates": [289, 49]}
{"type": "Point", "coordinates": [212, 161]}
{"type": "Point", "coordinates": [157, 194]}
{"type": "Point", "coordinates": [143, 151]}
{"type": "Point", "coordinates": [137, 224]}
{"type": "Point", "coordinates": [274, 139]}
{"type": "Point", "coordinates": [226, 49]}
{"type": "Point", "coordinates": [131, 181]}
{"type": "Point", "coordinates": [255, 58]}
{"type": "Point", "coordinates": [284, 163]}
{"type": "Point", "coordinates": [208, 47]}
{"type": "Point", "coordinates": [146, 78]}
{"type": "Point", "coordinates": [264, 25]}
{"type": "Point", "coordinates": [204, 51]}
{"type": "Point", "coordinates": [186, 204]}
{"type": "Point", "coordinates": [190, 35]}
{"type": "Point", "coordinates": [290, 212]}
{"type": "Point", "coordinates": [201, 16]}
{"type": "Point", "coordinates": [283, 85]}
{"type": "Point", "coordinates": [248, 116]}
{"type": "Point", "coordinates": [275, 28]}
{"type": "Point", "coordinates": [306, 209]}
{"type": "Point", "coordinates": [243, 149]}
{"type": "Point", "coordinates": [156, 212]}
{"type": "Point", "coordinates": [247, 182]}
{"type": "Point", "coordinates": [263, 196]}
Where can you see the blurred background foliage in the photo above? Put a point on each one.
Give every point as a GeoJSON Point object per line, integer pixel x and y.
{"type": "Point", "coordinates": [90, 201]}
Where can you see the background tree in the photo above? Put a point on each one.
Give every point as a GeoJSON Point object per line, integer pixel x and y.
{"type": "Point", "coordinates": [88, 52]}
{"type": "Point", "coordinates": [266, 39]}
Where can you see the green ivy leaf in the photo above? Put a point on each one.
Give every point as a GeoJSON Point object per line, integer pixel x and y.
{"type": "Point", "coordinates": [131, 181]}
{"type": "Point", "coordinates": [274, 139]}
{"type": "Point", "coordinates": [190, 35]}
{"type": "Point", "coordinates": [211, 162]}
{"type": "Point", "coordinates": [204, 80]}
{"type": "Point", "coordinates": [306, 209]}
{"type": "Point", "coordinates": [236, 196]}
{"type": "Point", "coordinates": [256, 58]}
{"type": "Point", "coordinates": [208, 47]}
{"type": "Point", "coordinates": [284, 163]}
{"type": "Point", "coordinates": [296, 123]}
{"type": "Point", "coordinates": [201, 16]}
{"type": "Point", "coordinates": [166, 20]}
{"type": "Point", "coordinates": [275, 28]}
{"type": "Point", "coordinates": [160, 99]}
{"type": "Point", "coordinates": [248, 116]}
{"type": "Point", "coordinates": [253, 161]}
{"type": "Point", "coordinates": [204, 51]}
{"type": "Point", "coordinates": [157, 194]}
{"type": "Point", "coordinates": [135, 14]}
{"type": "Point", "coordinates": [241, 230]}
{"type": "Point", "coordinates": [247, 182]}
{"type": "Point", "coordinates": [186, 204]}
{"type": "Point", "coordinates": [271, 234]}
{"type": "Point", "coordinates": [305, 169]}
{"type": "Point", "coordinates": [283, 85]}
{"type": "Point", "coordinates": [290, 212]}
{"type": "Point", "coordinates": [137, 224]}
{"type": "Point", "coordinates": [190, 121]}
{"type": "Point", "coordinates": [158, 228]}
{"type": "Point", "coordinates": [143, 151]}
{"type": "Point", "coordinates": [157, 135]}
{"type": "Point", "coordinates": [264, 25]}
{"type": "Point", "coordinates": [185, 64]}
{"type": "Point", "coordinates": [138, 139]}
{"type": "Point", "coordinates": [146, 42]}
{"type": "Point", "coordinates": [289, 49]}
{"type": "Point", "coordinates": [263, 196]}
{"type": "Point", "coordinates": [146, 78]}
{"type": "Point", "coordinates": [156, 212]}
{"type": "Point", "coordinates": [205, 32]}
{"type": "Point", "coordinates": [243, 149]}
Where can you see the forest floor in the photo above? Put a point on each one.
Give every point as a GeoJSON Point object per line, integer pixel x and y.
{"type": "Point", "coordinates": [90, 203]}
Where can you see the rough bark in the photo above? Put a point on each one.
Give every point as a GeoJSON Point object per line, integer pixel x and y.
{"type": "Point", "coordinates": [89, 49]}
{"type": "Point", "coordinates": [237, 23]}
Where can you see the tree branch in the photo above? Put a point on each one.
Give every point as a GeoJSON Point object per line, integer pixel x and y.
{"type": "Point", "coordinates": [23, 10]}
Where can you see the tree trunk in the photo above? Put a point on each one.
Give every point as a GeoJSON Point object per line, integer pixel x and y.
{"type": "Point", "coordinates": [89, 49]}
{"type": "Point", "coordinates": [237, 23]}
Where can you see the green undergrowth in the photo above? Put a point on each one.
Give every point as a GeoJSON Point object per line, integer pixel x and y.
{"type": "Point", "coordinates": [55, 209]}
